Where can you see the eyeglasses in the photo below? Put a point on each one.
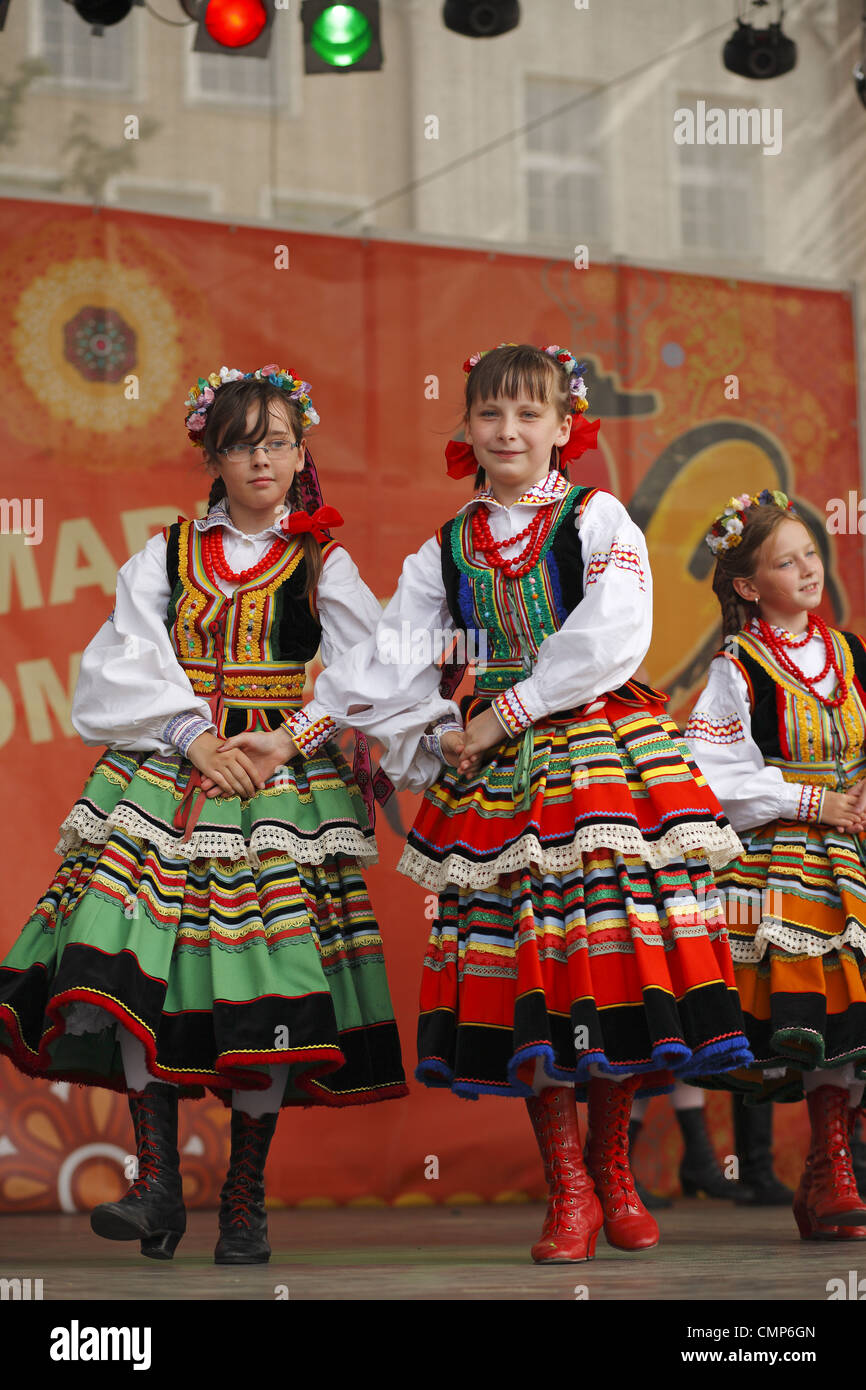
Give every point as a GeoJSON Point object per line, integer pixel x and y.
{"type": "Point", "coordinates": [238, 453]}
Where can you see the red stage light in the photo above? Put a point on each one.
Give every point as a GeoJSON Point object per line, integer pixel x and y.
{"type": "Point", "coordinates": [235, 23]}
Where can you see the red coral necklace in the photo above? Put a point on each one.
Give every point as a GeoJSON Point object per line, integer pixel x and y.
{"type": "Point", "coordinates": [215, 562]}
{"type": "Point", "coordinates": [536, 534]}
{"type": "Point", "coordinates": [777, 644]}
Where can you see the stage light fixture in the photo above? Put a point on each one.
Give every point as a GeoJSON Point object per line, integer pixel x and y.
{"type": "Point", "coordinates": [760, 53]}
{"type": "Point", "coordinates": [341, 38]}
{"type": "Point", "coordinates": [239, 28]}
{"type": "Point", "coordinates": [102, 13]}
{"type": "Point", "coordinates": [860, 70]}
{"type": "Point", "coordinates": [481, 19]}
{"type": "Point", "coordinates": [235, 23]}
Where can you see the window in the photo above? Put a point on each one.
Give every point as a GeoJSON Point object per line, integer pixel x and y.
{"type": "Point", "coordinates": [565, 194]}
{"type": "Point", "coordinates": [720, 197]}
{"type": "Point", "coordinates": [78, 58]}
{"type": "Point", "coordinates": [230, 79]}
{"type": "Point", "coordinates": [28, 183]}
{"type": "Point", "coordinates": [143, 196]}
{"type": "Point", "coordinates": [314, 214]}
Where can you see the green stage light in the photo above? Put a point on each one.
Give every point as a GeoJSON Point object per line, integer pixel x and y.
{"type": "Point", "coordinates": [341, 35]}
{"type": "Point", "coordinates": [341, 38]}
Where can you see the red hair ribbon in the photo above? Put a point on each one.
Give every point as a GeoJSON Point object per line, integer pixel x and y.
{"type": "Point", "coordinates": [461, 461]}
{"type": "Point", "coordinates": [318, 522]}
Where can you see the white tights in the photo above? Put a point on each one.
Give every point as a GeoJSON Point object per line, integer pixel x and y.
{"type": "Point", "coordinates": [683, 1097]}
{"type": "Point", "coordinates": [252, 1103]}
{"type": "Point", "coordinates": [838, 1076]}
{"type": "Point", "coordinates": [541, 1079]}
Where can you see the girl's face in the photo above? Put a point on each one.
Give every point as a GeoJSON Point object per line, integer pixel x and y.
{"type": "Point", "coordinates": [257, 483]}
{"type": "Point", "coordinates": [512, 440]}
{"type": "Point", "coordinates": [789, 578]}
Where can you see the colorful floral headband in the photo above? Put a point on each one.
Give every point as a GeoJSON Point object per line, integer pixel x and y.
{"type": "Point", "coordinates": [460, 457]}
{"type": "Point", "coordinates": [727, 529]}
{"type": "Point", "coordinates": [576, 387]}
{"type": "Point", "coordinates": [201, 396]}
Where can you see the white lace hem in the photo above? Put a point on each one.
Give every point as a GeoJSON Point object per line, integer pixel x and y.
{"type": "Point", "coordinates": [796, 943]}
{"type": "Point", "coordinates": [82, 825]}
{"type": "Point", "coordinates": [715, 844]}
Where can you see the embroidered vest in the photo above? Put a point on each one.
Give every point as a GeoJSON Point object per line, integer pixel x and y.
{"type": "Point", "coordinates": [506, 620]}
{"type": "Point", "coordinates": [796, 733]}
{"type": "Point", "coordinates": [246, 655]}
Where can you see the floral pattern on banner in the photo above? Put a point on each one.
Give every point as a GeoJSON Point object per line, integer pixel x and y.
{"type": "Point", "coordinates": [66, 1147]}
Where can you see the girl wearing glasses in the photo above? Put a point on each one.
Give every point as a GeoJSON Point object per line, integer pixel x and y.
{"type": "Point", "coordinates": [209, 924]}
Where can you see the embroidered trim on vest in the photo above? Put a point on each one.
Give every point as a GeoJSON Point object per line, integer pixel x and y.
{"type": "Point", "coordinates": [821, 747]}
{"type": "Point", "coordinates": [512, 611]}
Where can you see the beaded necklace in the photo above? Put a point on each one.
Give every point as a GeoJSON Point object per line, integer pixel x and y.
{"type": "Point", "coordinates": [536, 533]}
{"type": "Point", "coordinates": [215, 562]}
{"type": "Point", "coordinates": [777, 642]}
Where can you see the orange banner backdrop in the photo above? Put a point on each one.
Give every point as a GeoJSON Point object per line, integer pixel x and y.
{"type": "Point", "coordinates": [704, 386]}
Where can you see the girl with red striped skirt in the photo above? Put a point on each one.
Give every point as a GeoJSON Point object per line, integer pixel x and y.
{"type": "Point", "coordinates": [569, 836]}
{"type": "Point", "coordinates": [779, 733]}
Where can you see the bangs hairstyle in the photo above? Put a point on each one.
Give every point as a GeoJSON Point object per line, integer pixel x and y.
{"type": "Point", "coordinates": [227, 425]}
{"type": "Point", "coordinates": [517, 370]}
{"type": "Point", "coordinates": [741, 561]}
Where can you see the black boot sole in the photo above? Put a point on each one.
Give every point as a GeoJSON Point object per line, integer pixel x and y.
{"type": "Point", "coordinates": [112, 1225]}
{"type": "Point", "coordinates": [115, 1225]}
{"type": "Point", "coordinates": [241, 1259]}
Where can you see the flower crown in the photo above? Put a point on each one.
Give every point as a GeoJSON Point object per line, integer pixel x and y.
{"type": "Point", "coordinates": [727, 529]}
{"type": "Point", "coordinates": [201, 396]}
{"type": "Point", "coordinates": [576, 386]}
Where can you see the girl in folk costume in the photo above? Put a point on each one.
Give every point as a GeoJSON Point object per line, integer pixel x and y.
{"type": "Point", "coordinates": [779, 734]}
{"type": "Point", "coordinates": [209, 924]}
{"type": "Point", "coordinates": [568, 839]}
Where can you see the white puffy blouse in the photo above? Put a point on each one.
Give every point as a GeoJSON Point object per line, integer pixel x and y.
{"type": "Point", "coordinates": [601, 643]}
{"type": "Point", "coordinates": [132, 694]}
{"type": "Point", "coordinates": [719, 737]}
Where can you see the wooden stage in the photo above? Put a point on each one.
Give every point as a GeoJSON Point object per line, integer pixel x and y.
{"type": "Point", "coordinates": [709, 1250]}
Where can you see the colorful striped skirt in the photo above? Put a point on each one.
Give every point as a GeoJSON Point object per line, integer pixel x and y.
{"type": "Point", "coordinates": [795, 904]}
{"type": "Point", "coordinates": [576, 923]}
{"type": "Point", "coordinates": [250, 943]}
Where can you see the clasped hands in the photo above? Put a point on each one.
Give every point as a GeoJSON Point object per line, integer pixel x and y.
{"type": "Point", "coordinates": [846, 810]}
{"type": "Point", "coordinates": [241, 765]}
{"type": "Point", "coordinates": [464, 750]}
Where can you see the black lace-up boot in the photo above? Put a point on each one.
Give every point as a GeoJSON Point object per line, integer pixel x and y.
{"type": "Point", "coordinates": [152, 1210]}
{"type": "Point", "coordinates": [243, 1223]}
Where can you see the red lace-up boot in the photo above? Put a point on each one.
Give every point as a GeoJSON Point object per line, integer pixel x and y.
{"type": "Point", "coordinates": [152, 1210]}
{"type": "Point", "coordinates": [826, 1203]}
{"type": "Point", "coordinates": [243, 1223]}
{"type": "Point", "coordinates": [574, 1216]}
{"type": "Point", "coordinates": [627, 1223]}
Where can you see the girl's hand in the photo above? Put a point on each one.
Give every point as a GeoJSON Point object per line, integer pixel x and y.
{"type": "Point", "coordinates": [230, 773]}
{"type": "Point", "coordinates": [262, 752]}
{"type": "Point", "coordinates": [452, 746]}
{"type": "Point", "coordinates": [482, 732]}
{"type": "Point", "coordinates": [844, 810]}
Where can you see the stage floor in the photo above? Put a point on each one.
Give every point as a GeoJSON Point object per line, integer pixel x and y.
{"type": "Point", "coordinates": [708, 1250]}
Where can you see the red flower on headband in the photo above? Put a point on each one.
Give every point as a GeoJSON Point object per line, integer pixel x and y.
{"type": "Point", "coordinates": [461, 461]}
